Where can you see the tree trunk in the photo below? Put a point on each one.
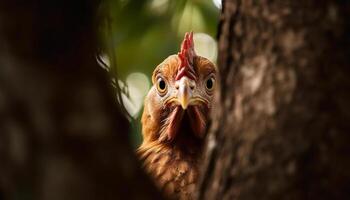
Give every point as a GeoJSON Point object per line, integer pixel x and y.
{"type": "Point", "coordinates": [281, 115]}
{"type": "Point", "coordinates": [62, 135]}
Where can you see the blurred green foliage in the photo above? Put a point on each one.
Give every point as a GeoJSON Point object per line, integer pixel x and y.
{"type": "Point", "coordinates": [141, 34]}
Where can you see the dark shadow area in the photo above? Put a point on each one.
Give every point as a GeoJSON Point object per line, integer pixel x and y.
{"type": "Point", "coordinates": [63, 135]}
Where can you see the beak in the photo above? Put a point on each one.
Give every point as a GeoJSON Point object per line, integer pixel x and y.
{"type": "Point", "coordinates": [184, 87]}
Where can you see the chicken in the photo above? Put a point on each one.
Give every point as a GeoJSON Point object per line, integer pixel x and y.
{"type": "Point", "coordinates": [174, 120]}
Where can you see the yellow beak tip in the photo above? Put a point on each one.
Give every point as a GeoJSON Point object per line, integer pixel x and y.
{"type": "Point", "coordinates": [184, 104]}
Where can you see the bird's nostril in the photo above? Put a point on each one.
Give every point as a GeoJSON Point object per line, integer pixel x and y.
{"type": "Point", "coordinates": [192, 87]}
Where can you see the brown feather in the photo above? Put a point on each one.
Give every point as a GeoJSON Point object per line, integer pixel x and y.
{"type": "Point", "coordinates": [175, 173]}
{"type": "Point", "coordinates": [172, 137]}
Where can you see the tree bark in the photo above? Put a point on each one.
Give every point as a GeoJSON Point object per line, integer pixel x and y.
{"type": "Point", "coordinates": [62, 135]}
{"type": "Point", "coordinates": [280, 125]}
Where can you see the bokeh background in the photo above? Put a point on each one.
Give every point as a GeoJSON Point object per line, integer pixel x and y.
{"type": "Point", "coordinates": [138, 35]}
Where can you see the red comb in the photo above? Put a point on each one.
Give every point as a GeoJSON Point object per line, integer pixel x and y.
{"type": "Point", "coordinates": [186, 56]}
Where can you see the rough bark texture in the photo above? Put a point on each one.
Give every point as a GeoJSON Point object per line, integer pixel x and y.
{"type": "Point", "coordinates": [62, 135]}
{"type": "Point", "coordinates": [281, 116]}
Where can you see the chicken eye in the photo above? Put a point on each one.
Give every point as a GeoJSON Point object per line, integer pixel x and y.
{"type": "Point", "coordinates": [210, 84]}
{"type": "Point", "coordinates": [161, 85]}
